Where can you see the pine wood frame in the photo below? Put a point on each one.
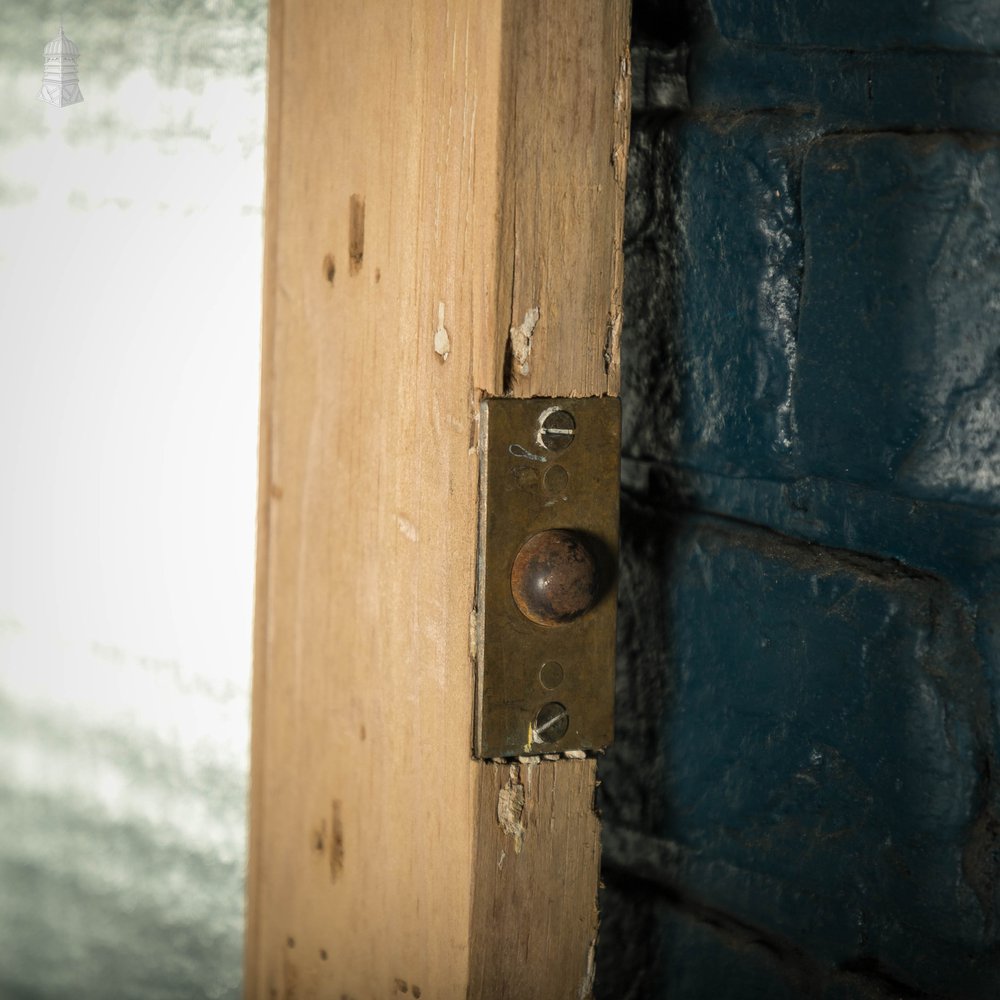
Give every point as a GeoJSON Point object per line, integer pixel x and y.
{"type": "Point", "coordinates": [437, 170]}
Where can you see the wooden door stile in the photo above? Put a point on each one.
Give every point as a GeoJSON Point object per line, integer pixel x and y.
{"type": "Point", "coordinates": [444, 213]}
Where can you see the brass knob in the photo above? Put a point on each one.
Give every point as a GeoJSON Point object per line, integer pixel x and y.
{"type": "Point", "coordinates": [554, 578]}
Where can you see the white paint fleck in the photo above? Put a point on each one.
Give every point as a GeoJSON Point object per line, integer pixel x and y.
{"type": "Point", "coordinates": [587, 985]}
{"type": "Point", "coordinates": [442, 342]}
{"type": "Point", "coordinates": [520, 340]}
{"type": "Point", "coordinates": [510, 807]}
{"type": "Point", "coordinates": [407, 528]}
{"type": "Point", "coordinates": [473, 635]}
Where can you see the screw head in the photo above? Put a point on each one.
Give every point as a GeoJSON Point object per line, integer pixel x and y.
{"type": "Point", "coordinates": [550, 723]}
{"type": "Point", "coordinates": [556, 429]}
{"type": "Point", "coordinates": [554, 578]}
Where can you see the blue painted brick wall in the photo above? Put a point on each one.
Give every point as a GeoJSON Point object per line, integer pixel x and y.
{"type": "Point", "coordinates": [804, 795]}
{"type": "Point", "coordinates": [898, 383]}
{"type": "Point", "coordinates": [862, 24]}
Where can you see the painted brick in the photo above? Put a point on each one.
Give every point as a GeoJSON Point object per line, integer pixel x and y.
{"type": "Point", "coordinates": [876, 91]}
{"type": "Point", "coordinates": [826, 741]}
{"type": "Point", "coordinates": [802, 798]}
{"type": "Point", "coordinates": [808, 306]}
{"type": "Point", "coordinates": [861, 24]}
{"type": "Point", "coordinates": [671, 951]}
{"type": "Point", "coordinates": [898, 382]}
{"type": "Point", "coordinates": [650, 391]}
{"type": "Point", "coordinates": [716, 325]}
{"type": "Point", "coordinates": [856, 342]}
{"type": "Point", "coordinates": [656, 943]}
{"type": "Point", "coordinates": [960, 543]}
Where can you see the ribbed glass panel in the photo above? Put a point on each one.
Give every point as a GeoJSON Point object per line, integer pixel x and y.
{"type": "Point", "coordinates": [130, 259]}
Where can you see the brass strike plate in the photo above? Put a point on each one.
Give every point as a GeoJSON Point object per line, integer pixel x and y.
{"type": "Point", "coordinates": [546, 610]}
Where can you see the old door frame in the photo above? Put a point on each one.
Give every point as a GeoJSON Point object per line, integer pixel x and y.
{"type": "Point", "coordinates": [436, 171]}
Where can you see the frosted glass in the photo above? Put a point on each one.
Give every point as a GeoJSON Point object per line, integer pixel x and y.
{"type": "Point", "coordinates": [130, 258]}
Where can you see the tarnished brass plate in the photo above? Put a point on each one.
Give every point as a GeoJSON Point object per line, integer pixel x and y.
{"type": "Point", "coordinates": [546, 464]}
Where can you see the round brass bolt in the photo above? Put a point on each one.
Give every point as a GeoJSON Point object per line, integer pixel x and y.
{"type": "Point", "coordinates": [554, 578]}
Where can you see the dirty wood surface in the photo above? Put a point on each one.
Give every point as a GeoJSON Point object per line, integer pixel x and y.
{"type": "Point", "coordinates": [444, 208]}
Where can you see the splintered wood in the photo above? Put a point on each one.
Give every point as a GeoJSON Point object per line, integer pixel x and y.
{"type": "Point", "coordinates": [440, 174]}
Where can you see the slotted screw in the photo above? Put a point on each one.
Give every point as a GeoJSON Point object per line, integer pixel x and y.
{"type": "Point", "coordinates": [557, 430]}
{"type": "Point", "coordinates": [550, 723]}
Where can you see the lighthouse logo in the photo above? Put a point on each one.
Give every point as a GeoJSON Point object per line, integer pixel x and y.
{"type": "Point", "coordinates": [61, 83]}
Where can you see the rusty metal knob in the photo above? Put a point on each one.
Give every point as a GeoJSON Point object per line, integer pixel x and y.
{"type": "Point", "coordinates": [554, 578]}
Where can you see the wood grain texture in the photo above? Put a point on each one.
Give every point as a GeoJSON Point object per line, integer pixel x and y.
{"type": "Point", "coordinates": [566, 101]}
{"type": "Point", "coordinates": [436, 170]}
{"type": "Point", "coordinates": [566, 106]}
{"type": "Point", "coordinates": [537, 863]}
